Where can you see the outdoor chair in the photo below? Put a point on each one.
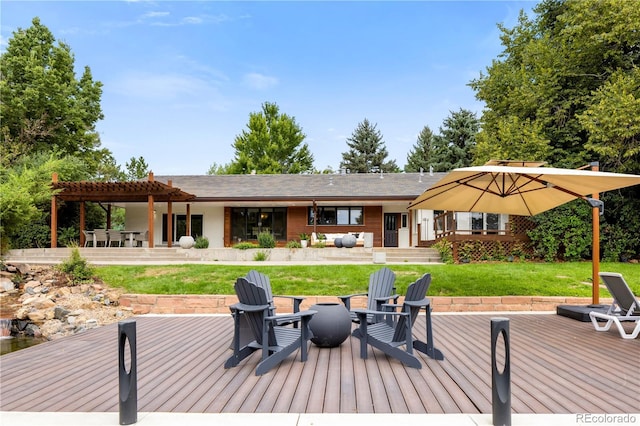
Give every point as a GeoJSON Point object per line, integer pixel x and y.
{"type": "Point", "coordinates": [101, 236]}
{"type": "Point", "coordinates": [115, 237]}
{"type": "Point", "coordinates": [263, 281]}
{"type": "Point", "coordinates": [625, 307]}
{"type": "Point", "coordinates": [141, 238]}
{"type": "Point", "coordinates": [381, 290]}
{"type": "Point", "coordinates": [275, 341]}
{"type": "Point", "coordinates": [88, 238]}
{"type": "Point", "coordinates": [389, 335]}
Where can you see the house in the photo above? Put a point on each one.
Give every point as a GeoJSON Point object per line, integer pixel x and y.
{"type": "Point", "coordinates": [228, 209]}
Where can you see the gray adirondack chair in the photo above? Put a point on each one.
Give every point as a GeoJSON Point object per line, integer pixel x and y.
{"type": "Point", "coordinates": [381, 290]}
{"type": "Point", "coordinates": [263, 281]}
{"type": "Point", "coordinates": [388, 336]}
{"type": "Point", "coordinates": [276, 342]}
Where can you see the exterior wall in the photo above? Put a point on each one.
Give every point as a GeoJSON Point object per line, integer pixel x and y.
{"type": "Point", "coordinates": [297, 223]}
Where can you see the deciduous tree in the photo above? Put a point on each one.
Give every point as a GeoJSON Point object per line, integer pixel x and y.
{"type": "Point", "coordinates": [273, 143]}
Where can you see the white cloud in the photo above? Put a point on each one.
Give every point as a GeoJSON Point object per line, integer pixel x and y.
{"type": "Point", "coordinates": [162, 86]}
{"type": "Point", "coordinates": [259, 81]}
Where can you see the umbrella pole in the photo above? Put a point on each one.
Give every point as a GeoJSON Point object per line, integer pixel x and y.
{"type": "Point", "coordinates": [595, 246]}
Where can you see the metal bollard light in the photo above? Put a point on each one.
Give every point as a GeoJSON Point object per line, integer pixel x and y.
{"type": "Point", "coordinates": [500, 381]}
{"type": "Point", "coordinates": [128, 381]}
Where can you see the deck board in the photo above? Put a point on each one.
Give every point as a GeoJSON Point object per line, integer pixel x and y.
{"type": "Point", "coordinates": [556, 363]}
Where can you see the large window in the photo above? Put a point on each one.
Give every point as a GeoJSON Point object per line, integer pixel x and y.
{"type": "Point", "coordinates": [247, 223]}
{"type": "Point", "coordinates": [337, 216]}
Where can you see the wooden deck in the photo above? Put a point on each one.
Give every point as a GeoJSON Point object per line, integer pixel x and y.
{"type": "Point", "coordinates": [558, 365]}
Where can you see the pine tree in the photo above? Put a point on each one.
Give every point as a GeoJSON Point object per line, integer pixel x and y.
{"type": "Point", "coordinates": [420, 156]}
{"type": "Point", "coordinates": [367, 152]}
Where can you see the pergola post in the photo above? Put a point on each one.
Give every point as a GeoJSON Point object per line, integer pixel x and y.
{"type": "Point", "coordinates": [54, 216]}
{"type": "Point", "coordinates": [188, 218]}
{"type": "Point", "coordinates": [150, 215]}
{"type": "Point", "coordinates": [82, 224]}
{"type": "Point", "coordinates": [169, 220]}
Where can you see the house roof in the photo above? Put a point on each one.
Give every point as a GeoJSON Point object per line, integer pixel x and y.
{"type": "Point", "coordinates": [319, 187]}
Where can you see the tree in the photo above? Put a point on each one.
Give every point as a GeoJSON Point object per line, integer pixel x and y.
{"type": "Point", "coordinates": [562, 73]}
{"type": "Point", "coordinates": [44, 107]}
{"type": "Point", "coordinates": [455, 146]}
{"type": "Point", "coordinates": [219, 169]}
{"type": "Point", "coordinates": [273, 144]}
{"type": "Point", "coordinates": [419, 157]}
{"type": "Point", "coordinates": [137, 168]}
{"type": "Point", "coordinates": [367, 151]}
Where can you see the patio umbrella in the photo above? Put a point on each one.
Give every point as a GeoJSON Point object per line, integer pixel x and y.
{"type": "Point", "coordinates": [524, 191]}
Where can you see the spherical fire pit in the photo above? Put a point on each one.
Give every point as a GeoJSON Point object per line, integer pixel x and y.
{"type": "Point", "coordinates": [349, 241]}
{"type": "Point", "coordinates": [331, 325]}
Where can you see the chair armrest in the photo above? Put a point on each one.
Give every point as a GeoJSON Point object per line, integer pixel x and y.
{"type": "Point", "coordinates": [291, 317]}
{"type": "Point", "coordinates": [365, 312]}
{"type": "Point", "coordinates": [297, 300]}
{"type": "Point", "coordinates": [419, 303]}
{"type": "Point", "coordinates": [248, 308]}
{"type": "Point", "coordinates": [347, 299]}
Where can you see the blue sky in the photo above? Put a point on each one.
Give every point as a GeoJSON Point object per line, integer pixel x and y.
{"type": "Point", "coordinates": [181, 77]}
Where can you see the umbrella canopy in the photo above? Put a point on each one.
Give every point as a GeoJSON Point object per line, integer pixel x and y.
{"type": "Point", "coordinates": [524, 191]}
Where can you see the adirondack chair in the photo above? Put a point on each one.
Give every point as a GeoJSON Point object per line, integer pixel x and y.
{"type": "Point", "coordinates": [381, 290]}
{"type": "Point", "coordinates": [276, 342]}
{"type": "Point", "coordinates": [388, 336]}
{"type": "Point", "coordinates": [263, 281]}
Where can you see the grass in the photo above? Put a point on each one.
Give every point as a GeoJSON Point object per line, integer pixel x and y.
{"type": "Point", "coordinates": [482, 279]}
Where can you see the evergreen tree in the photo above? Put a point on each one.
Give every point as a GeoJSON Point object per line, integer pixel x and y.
{"type": "Point", "coordinates": [455, 146]}
{"type": "Point", "coordinates": [273, 144]}
{"type": "Point", "coordinates": [422, 152]}
{"type": "Point", "coordinates": [367, 151]}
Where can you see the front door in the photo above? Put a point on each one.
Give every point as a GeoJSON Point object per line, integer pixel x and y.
{"type": "Point", "coordinates": [391, 221]}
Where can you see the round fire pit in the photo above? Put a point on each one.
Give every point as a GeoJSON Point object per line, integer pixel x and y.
{"type": "Point", "coordinates": [331, 325]}
{"type": "Point", "coordinates": [349, 241]}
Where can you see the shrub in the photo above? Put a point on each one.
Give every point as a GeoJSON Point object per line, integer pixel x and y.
{"type": "Point", "coordinates": [293, 244]}
{"type": "Point", "coordinates": [245, 246]}
{"type": "Point", "coordinates": [445, 250]}
{"type": "Point", "coordinates": [261, 256]}
{"type": "Point", "coordinates": [320, 244]}
{"type": "Point", "coordinates": [201, 242]}
{"type": "Point", "coordinates": [76, 267]}
{"type": "Point", "coordinates": [266, 240]}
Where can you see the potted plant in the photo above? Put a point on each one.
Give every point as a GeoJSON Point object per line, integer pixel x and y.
{"type": "Point", "coordinates": [304, 239]}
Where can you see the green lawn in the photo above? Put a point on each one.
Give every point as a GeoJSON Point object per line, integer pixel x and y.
{"type": "Point", "coordinates": [484, 279]}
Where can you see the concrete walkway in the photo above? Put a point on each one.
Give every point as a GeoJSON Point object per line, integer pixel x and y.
{"type": "Point", "coordinates": [193, 419]}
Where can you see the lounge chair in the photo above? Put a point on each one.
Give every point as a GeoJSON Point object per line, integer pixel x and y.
{"type": "Point", "coordinates": [625, 307]}
{"type": "Point", "coordinates": [277, 342]}
{"type": "Point", "coordinates": [388, 336]}
{"type": "Point", "coordinates": [381, 290]}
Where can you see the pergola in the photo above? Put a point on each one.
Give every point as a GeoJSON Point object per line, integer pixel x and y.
{"type": "Point", "coordinates": [149, 191]}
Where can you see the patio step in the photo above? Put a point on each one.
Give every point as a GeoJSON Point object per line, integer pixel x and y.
{"type": "Point", "coordinates": [129, 255]}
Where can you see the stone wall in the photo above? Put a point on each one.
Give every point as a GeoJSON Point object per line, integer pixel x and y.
{"type": "Point", "coordinates": [219, 304]}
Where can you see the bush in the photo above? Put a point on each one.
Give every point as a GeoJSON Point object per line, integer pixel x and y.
{"type": "Point", "coordinates": [76, 267]}
{"type": "Point", "coordinates": [245, 246]}
{"type": "Point", "coordinates": [293, 244]}
{"type": "Point", "coordinates": [201, 242]}
{"type": "Point", "coordinates": [266, 240]}
{"type": "Point", "coordinates": [261, 256]}
{"type": "Point", "coordinates": [445, 250]}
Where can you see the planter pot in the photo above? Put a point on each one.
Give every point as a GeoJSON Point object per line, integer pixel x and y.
{"type": "Point", "coordinates": [304, 243]}
{"type": "Point", "coordinates": [349, 241]}
{"type": "Point", "coordinates": [186, 242]}
{"type": "Point", "coordinates": [331, 325]}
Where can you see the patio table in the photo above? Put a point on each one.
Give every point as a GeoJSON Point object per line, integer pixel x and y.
{"type": "Point", "coordinates": [131, 235]}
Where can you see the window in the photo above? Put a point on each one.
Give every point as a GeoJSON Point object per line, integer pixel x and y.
{"type": "Point", "coordinates": [337, 216]}
{"type": "Point", "coordinates": [247, 223]}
